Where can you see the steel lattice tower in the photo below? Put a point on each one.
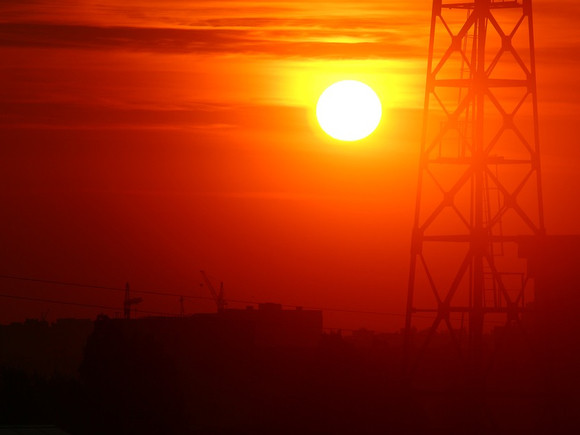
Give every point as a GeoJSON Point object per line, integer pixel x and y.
{"type": "Point", "coordinates": [479, 186]}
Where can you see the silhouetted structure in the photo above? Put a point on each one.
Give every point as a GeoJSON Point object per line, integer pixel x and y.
{"type": "Point", "coordinates": [38, 347]}
{"type": "Point", "coordinates": [479, 184]}
{"type": "Point", "coordinates": [258, 371]}
{"type": "Point", "coordinates": [267, 370]}
{"type": "Point", "coordinates": [267, 326]}
{"type": "Point", "coordinates": [218, 297]}
{"type": "Point", "coordinates": [129, 302]}
{"type": "Point", "coordinates": [31, 430]}
{"type": "Point", "coordinates": [554, 265]}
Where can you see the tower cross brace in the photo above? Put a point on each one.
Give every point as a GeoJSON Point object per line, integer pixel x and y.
{"type": "Point", "coordinates": [479, 187]}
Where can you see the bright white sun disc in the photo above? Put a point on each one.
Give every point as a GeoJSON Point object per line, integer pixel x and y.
{"type": "Point", "coordinates": [348, 110]}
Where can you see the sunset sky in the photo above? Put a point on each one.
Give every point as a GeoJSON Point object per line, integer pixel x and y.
{"type": "Point", "coordinates": [144, 141]}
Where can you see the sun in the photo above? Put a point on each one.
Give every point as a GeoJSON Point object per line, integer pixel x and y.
{"type": "Point", "coordinates": [348, 110]}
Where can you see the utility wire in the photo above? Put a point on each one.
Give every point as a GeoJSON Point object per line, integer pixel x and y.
{"type": "Point", "coordinates": [172, 294]}
{"type": "Point", "coordinates": [106, 307]}
{"type": "Point", "coordinates": [79, 304]}
{"type": "Point", "coordinates": [98, 287]}
{"type": "Point", "coordinates": [185, 296]}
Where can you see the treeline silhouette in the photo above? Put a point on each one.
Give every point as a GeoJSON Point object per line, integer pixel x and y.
{"type": "Point", "coordinates": [231, 373]}
{"type": "Point", "coordinates": [207, 375]}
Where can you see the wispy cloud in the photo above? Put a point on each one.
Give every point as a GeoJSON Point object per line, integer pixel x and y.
{"type": "Point", "coordinates": [86, 48]}
{"type": "Point", "coordinates": [276, 41]}
{"type": "Point", "coordinates": [67, 115]}
{"type": "Point", "coordinates": [320, 29]}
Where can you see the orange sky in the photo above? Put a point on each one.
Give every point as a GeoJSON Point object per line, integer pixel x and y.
{"type": "Point", "coordinates": [143, 141]}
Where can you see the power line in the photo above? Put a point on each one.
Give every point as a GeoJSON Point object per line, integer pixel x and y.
{"type": "Point", "coordinates": [78, 304]}
{"type": "Point", "coordinates": [99, 287]}
{"type": "Point", "coordinates": [70, 284]}
{"type": "Point", "coordinates": [106, 307]}
{"type": "Point", "coordinates": [185, 296]}
{"type": "Point", "coordinates": [179, 295]}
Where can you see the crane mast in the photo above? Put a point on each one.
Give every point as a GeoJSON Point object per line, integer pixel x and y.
{"type": "Point", "coordinates": [218, 296]}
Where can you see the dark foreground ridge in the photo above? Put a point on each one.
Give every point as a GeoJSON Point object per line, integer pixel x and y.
{"type": "Point", "coordinates": [273, 371]}
{"type": "Point", "coordinates": [238, 371]}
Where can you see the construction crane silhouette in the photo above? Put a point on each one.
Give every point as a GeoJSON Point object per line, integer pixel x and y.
{"type": "Point", "coordinates": [218, 297]}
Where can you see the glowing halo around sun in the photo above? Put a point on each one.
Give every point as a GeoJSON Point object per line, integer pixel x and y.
{"type": "Point", "coordinates": [348, 110]}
